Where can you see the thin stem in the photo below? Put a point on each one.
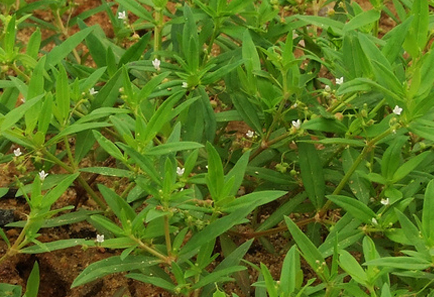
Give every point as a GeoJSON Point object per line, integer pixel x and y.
{"type": "Point", "coordinates": [19, 72]}
{"type": "Point", "coordinates": [66, 33]}
{"type": "Point", "coordinates": [159, 24]}
{"type": "Point", "coordinates": [369, 146]}
{"type": "Point", "coordinates": [68, 151]}
{"type": "Point", "coordinates": [80, 179]}
{"type": "Point", "coordinates": [167, 235]}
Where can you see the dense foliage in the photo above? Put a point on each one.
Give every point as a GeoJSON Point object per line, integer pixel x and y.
{"type": "Point", "coordinates": [341, 129]}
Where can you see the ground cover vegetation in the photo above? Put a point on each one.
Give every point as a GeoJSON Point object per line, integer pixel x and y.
{"type": "Point", "coordinates": [339, 139]}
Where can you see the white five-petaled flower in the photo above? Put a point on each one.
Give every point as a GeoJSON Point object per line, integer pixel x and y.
{"type": "Point", "coordinates": [180, 171]}
{"type": "Point", "coordinates": [122, 15]}
{"type": "Point", "coordinates": [374, 221]}
{"type": "Point", "coordinates": [17, 152]}
{"type": "Point", "coordinates": [296, 124]}
{"type": "Point", "coordinates": [100, 238]}
{"type": "Point", "coordinates": [184, 85]}
{"type": "Point", "coordinates": [385, 201]}
{"type": "Point", "coordinates": [92, 91]}
{"type": "Point", "coordinates": [156, 63]}
{"type": "Point", "coordinates": [397, 110]}
{"type": "Point", "coordinates": [43, 175]}
{"type": "Point", "coordinates": [340, 81]}
{"type": "Point", "coordinates": [250, 133]}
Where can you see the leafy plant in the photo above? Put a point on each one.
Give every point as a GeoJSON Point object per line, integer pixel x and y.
{"type": "Point", "coordinates": [336, 133]}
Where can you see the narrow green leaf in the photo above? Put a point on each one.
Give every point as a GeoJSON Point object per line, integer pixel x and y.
{"type": "Point", "coordinates": [250, 54]}
{"type": "Point", "coordinates": [409, 166]}
{"type": "Point", "coordinates": [17, 113]}
{"type": "Point", "coordinates": [53, 246]}
{"type": "Point", "coordinates": [238, 172]}
{"type": "Point", "coordinates": [247, 111]}
{"type": "Point", "coordinates": [62, 95]}
{"type": "Point", "coordinates": [290, 271]}
{"type": "Point", "coordinates": [223, 224]}
{"type": "Point", "coordinates": [134, 52]}
{"type": "Point", "coordinates": [428, 214]}
{"type": "Point", "coordinates": [156, 281]}
{"type": "Point", "coordinates": [355, 207]}
{"type": "Point", "coordinates": [108, 146]}
{"type": "Point", "coordinates": [116, 203]}
{"type": "Point", "coordinates": [215, 176]}
{"type": "Point", "coordinates": [362, 19]}
{"type": "Point", "coordinates": [55, 193]}
{"type": "Point", "coordinates": [34, 44]}
{"type": "Point", "coordinates": [161, 117]}
{"type": "Point", "coordinates": [352, 267]}
{"type": "Point", "coordinates": [32, 286]}
{"type": "Point", "coordinates": [113, 265]}
{"type": "Point", "coordinates": [307, 248]}
{"type": "Point", "coordinates": [173, 147]}
{"type": "Point", "coordinates": [360, 186]}
{"type": "Point", "coordinates": [406, 263]}
{"type": "Point", "coordinates": [58, 53]}
{"type": "Point", "coordinates": [392, 157]}
{"type": "Point", "coordinates": [312, 173]}
{"type": "Point", "coordinates": [418, 34]}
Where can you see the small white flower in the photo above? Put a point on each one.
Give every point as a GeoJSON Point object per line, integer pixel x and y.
{"type": "Point", "coordinates": [327, 88]}
{"type": "Point", "coordinates": [43, 175]}
{"type": "Point", "coordinates": [17, 152]}
{"type": "Point", "coordinates": [100, 238]}
{"type": "Point", "coordinates": [385, 201]}
{"type": "Point", "coordinates": [397, 110]}
{"type": "Point", "coordinates": [294, 106]}
{"type": "Point", "coordinates": [92, 91]}
{"type": "Point", "coordinates": [206, 166]}
{"type": "Point", "coordinates": [156, 63]}
{"type": "Point", "coordinates": [250, 133]}
{"type": "Point", "coordinates": [122, 15]}
{"type": "Point", "coordinates": [184, 85]}
{"type": "Point", "coordinates": [296, 124]}
{"type": "Point", "coordinates": [374, 221]}
{"type": "Point", "coordinates": [340, 81]}
{"type": "Point", "coordinates": [180, 171]}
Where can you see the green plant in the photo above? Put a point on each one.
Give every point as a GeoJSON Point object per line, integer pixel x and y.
{"type": "Point", "coordinates": [339, 120]}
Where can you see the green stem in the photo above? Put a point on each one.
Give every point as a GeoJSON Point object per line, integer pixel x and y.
{"type": "Point", "coordinates": [369, 146]}
{"type": "Point", "coordinates": [80, 179]}
{"type": "Point", "coordinates": [68, 151]}
{"type": "Point", "coordinates": [159, 24]}
{"type": "Point", "coordinates": [167, 234]}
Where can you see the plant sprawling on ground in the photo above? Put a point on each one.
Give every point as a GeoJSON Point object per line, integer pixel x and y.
{"type": "Point", "coordinates": [340, 129]}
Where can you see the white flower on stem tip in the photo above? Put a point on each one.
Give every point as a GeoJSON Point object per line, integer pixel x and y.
{"type": "Point", "coordinates": [250, 133]}
{"type": "Point", "coordinates": [327, 88]}
{"type": "Point", "coordinates": [180, 171]}
{"type": "Point", "coordinates": [122, 15]}
{"type": "Point", "coordinates": [92, 91]}
{"type": "Point", "coordinates": [156, 63]}
{"type": "Point", "coordinates": [340, 81]}
{"type": "Point", "coordinates": [43, 175]}
{"type": "Point", "coordinates": [184, 85]}
{"type": "Point", "coordinates": [17, 152]}
{"type": "Point", "coordinates": [374, 221]}
{"type": "Point", "coordinates": [397, 110]}
{"type": "Point", "coordinates": [100, 238]}
{"type": "Point", "coordinates": [296, 124]}
{"type": "Point", "coordinates": [385, 201]}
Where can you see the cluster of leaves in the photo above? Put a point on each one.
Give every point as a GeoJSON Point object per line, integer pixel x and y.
{"type": "Point", "coordinates": [341, 121]}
